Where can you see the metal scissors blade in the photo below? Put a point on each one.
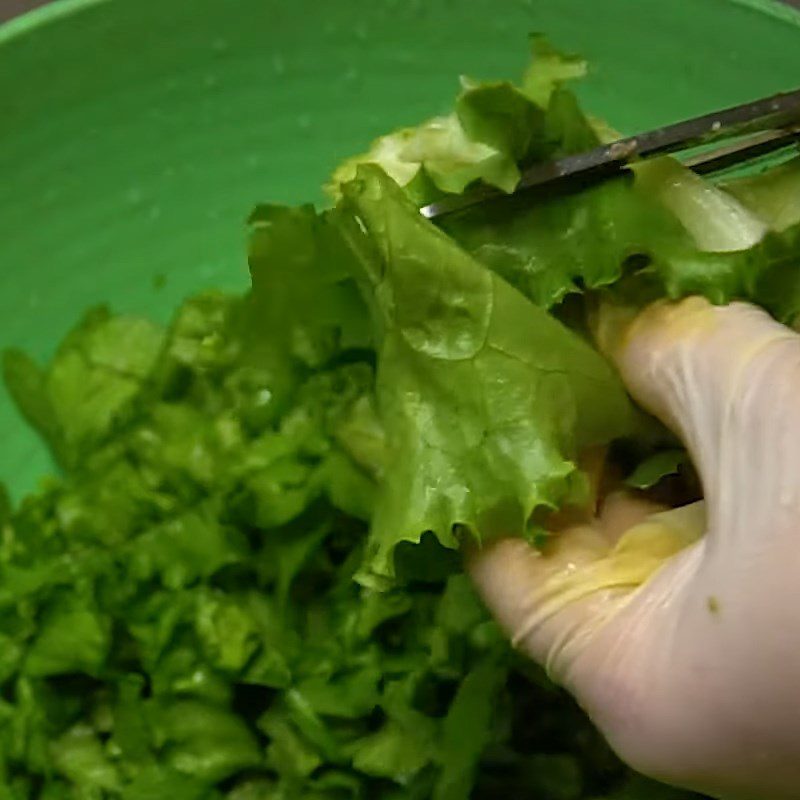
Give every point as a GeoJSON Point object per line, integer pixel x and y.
{"type": "Point", "coordinates": [766, 125]}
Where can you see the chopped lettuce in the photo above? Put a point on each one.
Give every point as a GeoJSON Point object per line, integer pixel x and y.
{"type": "Point", "coordinates": [657, 466]}
{"type": "Point", "coordinates": [245, 582]}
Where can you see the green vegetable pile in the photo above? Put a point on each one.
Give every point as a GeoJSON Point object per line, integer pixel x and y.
{"type": "Point", "coordinates": [246, 582]}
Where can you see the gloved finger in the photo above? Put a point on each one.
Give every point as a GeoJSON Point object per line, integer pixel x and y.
{"type": "Point", "coordinates": [521, 587]}
{"type": "Point", "coordinates": [726, 379]}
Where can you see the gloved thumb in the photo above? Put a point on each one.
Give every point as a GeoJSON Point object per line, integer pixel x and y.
{"type": "Point", "coordinates": [720, 377]}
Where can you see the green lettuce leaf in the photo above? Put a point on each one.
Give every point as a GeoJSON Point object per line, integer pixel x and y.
{"type": "Point", "coordinates": [79, 756]}
{"type": "Point", "coordinates": [467, 729]}
{"type": "Point", "coordinates": [481, 393]}
{"type": "Point", "coordinates": [650, 471]}
{"type": "Point", "coordinates": [496, 128]}
{"type": "Point", "coordinates": [91, 383]}
{"type": "Point", "coordinates": [665, 232]}
{"type": "Point", "coordinates": [501, 116]}
{"type": "Point", "coordinates": [72, 637]}
{"type": "Point", "coordinates": [164, 783]}
{"type": "Point", "coordinates": [772, 195]}
{"type": "Point", "coordinates": [716, 221]}
{"type": "Point", "coordinates": [549, 70]}
{"type": "Point", "coordinates": [567, 243]}
{"type": "Point", "coordinates": [305, 303]}
{"type": "Point", "coordinates": [435, 157]}
{"type": "Point", "coordinates": [205, 741]}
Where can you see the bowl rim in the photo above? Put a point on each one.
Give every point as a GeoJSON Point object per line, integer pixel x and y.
{"type": "Point", "coordinates": [779, 9]}
{"type": "Point", "coordinates": [44, 15]}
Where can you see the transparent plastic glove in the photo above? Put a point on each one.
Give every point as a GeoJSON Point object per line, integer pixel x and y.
{"type": "Point", "coordinates": [679, 631]}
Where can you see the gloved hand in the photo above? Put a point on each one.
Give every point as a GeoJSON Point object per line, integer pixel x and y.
{"type": "Point", "coordinates": [679, 631]}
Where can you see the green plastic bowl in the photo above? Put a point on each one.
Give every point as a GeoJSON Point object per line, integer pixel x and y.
{"type": "Point", "coordinates": [135, 135]}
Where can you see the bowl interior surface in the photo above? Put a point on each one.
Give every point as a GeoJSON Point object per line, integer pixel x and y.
{"type": "Point", "coordinates": [136, 136]}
